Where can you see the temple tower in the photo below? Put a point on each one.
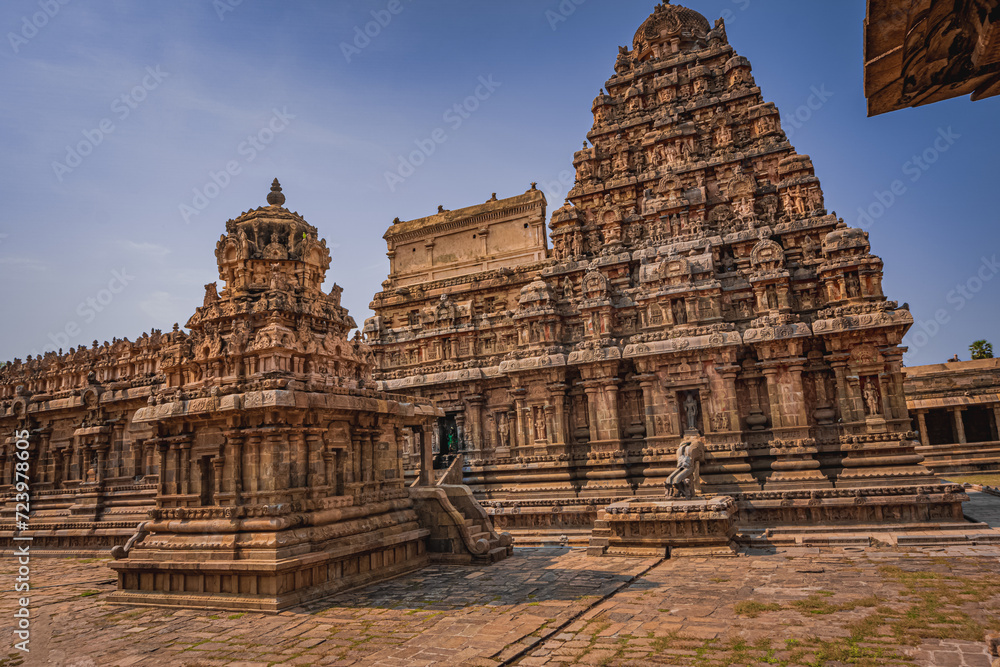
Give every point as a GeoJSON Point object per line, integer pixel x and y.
{"type": "Point", "coordinates": [697, 284]}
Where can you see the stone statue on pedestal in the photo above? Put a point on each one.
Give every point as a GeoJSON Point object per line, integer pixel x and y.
{"type": "Point", "coordinates": [681, 482]}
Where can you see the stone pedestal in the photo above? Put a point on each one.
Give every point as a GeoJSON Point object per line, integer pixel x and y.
{"type": "Point", "coordinates": [666, 528]}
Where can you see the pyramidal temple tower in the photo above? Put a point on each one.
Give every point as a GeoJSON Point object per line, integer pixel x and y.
{"type": "Point", "coordinates": [697, 285]}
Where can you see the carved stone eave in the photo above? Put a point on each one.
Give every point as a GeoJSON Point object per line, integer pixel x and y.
{"type": "Point", "coordinates": [898, 318]}
{"type": "Point", "coordinates": [686, 344]}
{"type": "Point", "coordinates": [533, 363]}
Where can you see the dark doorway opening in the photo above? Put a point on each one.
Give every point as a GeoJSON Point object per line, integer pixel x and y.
{"type": "Point", "coordinates": [448, 444]}
{"type": "Point", "coordinates": [207, 481]}
{"type": "Point", "coordinates": [940, 427]}
{"type": "Point", "coordinates": [978, 422]}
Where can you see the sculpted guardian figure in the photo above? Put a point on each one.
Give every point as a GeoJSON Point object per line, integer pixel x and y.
{"type": "Point", "coordinates": [681, 482]}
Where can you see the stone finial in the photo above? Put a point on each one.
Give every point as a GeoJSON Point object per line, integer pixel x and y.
{"type": "Point", "coordinates": [440, 208]}
{"type": "Point", "coordinates": [534, 186]}
{"type": "Point", "coordinates": [494, 197]}
{"type": "Point", "coordinates": [275, 197]}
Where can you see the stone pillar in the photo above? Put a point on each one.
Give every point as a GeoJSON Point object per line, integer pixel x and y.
{"type": "Point", "coordinates": [315, 465]}
{"type": "Point", "coordinates": [299, 463]}
{"type": "Point", "coordinates": [426, 455]}
{"type": "Point", "coordinates": [148, 458]}
{"type": "Point", "coordinates": [730, 401]}
{"type": "Point", "coordinates": [185, 471]}
{"type": "Point", "coordinates": [235, 460]}
{"type": "Point", "coordinates": [118, 438]}
{"type": "Point", "coordinates": [922, 425]}
{"type": "Point", "coordinates": [252, 469]}
{"type": "Point", "coordinates": [845, 405]}
{"type": "Point", "coordinates": [460, 431]}
{"type": "Point", "coordinates": [648, 384]}
{"type": "Point", "coordinates": [557, 430]}
{"type": "Point", "coordinates": [996, 419]}
{"type": "Point", "coordinates": [476, 424]}
{"type": "Point", "coordinates": [959, 425]}
{"type": "Point", "coordinates": [162, 449]}
{"type": "Point", "coordinates": [797, 411]}
{"type": "Point", "coordinates": [67, 457]}
{"type": "Point", "coordinates": [102, 460]}
{"type": "Point", "coordinates": [362, 444]}
{"type": "Point", "coordinates": [218, 465]}
{"type": "Point", "coordinates": [173, 469]}
{"type": "Point", "coordinates": [774, 396]}
{"type": "Point", "coordinates": [43, 454]}
{"type": "Point", "coordinates": [592, 397]}
{"type": "Point", "coordinates": [549, 411]}
{"type": "Point", "coordinates": [611, 405]}
{"type": "Point", "coordinates": [520, 440]}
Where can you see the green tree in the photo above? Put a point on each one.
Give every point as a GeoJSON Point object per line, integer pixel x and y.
{"type": "Point", "coordinates": [981, 350]}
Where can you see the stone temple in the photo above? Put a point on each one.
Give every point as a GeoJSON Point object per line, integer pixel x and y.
{"type": "Point", "coordinates": [697, 286]}
{"type": "Point", "coordinates": [249, 463]}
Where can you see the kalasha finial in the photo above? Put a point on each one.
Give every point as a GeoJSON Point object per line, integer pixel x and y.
{"type": "Point", "coordinates": [275, 198]}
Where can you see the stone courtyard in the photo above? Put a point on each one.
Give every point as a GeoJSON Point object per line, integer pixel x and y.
{"type": "Point", "coordinates": [799, 606]}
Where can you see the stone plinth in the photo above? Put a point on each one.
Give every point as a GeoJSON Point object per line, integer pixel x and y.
{"type": "Point", "coordinates": [644, 528]}
{"type": "Point", "coordinates": [239, 559]}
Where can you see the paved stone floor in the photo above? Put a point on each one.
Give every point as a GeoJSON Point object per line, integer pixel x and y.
{"type": "Point", "coordinates": [983, 507]}
{"type": "Point", "coordinates": [557, 607]}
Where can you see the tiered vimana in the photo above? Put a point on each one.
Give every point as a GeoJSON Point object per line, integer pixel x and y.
{"type": "Point", "coordinates": [268, 464]}
{"type": "Point", "coordinates": [697, 285]}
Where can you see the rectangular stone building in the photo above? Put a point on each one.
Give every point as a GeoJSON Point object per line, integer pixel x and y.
{"type": "Point", "coordinates": [956, 408]}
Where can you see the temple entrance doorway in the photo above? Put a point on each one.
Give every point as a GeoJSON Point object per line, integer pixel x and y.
{"type": "Point", "coordinates": [448, 444]}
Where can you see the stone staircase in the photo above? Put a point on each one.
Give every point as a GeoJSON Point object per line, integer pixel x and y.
{"type": "Point", "coordinates": [461, 531]}
{"type": "Point", "coordinates": [600, 535]}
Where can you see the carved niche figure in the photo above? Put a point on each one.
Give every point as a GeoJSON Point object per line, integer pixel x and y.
{"type": "Point", "coordinates": [853, 283]}
{"type": "Point", "coordinates": [682, 481]}
{"type": "Point", "coordinates": [873, 397]}
{"type": "Point", "coordinates": [691, 408]}
{"type": "Point", "coordinates": [274, 250]}
{"type": "Point", "coordinates": [540, 433]}
{"type": "Point", "coordinates": [808, 248]}
{"type": "Point", "coordinates": [503, 429]}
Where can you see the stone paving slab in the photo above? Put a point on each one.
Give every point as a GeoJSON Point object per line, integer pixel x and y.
{"type": "Point", "coordinates": [556, 607]}
{"type": "Point", "coordinates": [984, 508]}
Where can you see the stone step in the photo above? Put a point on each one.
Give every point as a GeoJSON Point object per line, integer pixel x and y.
{"type": "Point", "coordinates": [931, 540]}
{"type": "Point", "coordinates": [863, 529]}
{"type": "Point", "coordinates": [497, 554]}
{"type": "Point", "coordinates": [837, 541]}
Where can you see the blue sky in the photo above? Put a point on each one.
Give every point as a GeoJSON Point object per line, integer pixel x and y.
{"type": "Point", "coordinates": [163, 95]}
